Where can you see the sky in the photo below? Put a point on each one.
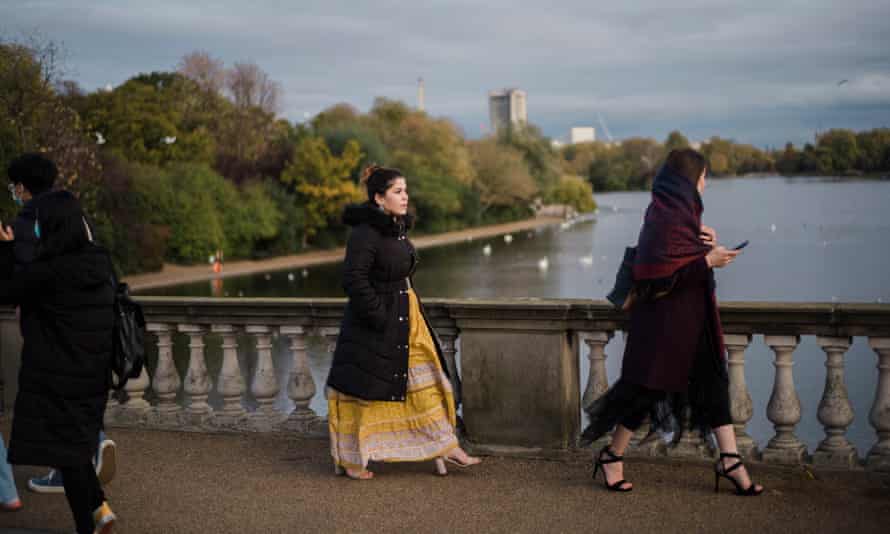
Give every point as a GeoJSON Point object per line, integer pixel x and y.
{"type": "Point", "coordinates": [758, 71]}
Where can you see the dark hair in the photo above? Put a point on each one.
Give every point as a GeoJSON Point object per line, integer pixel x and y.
{"type": "Point", "coordinates": [63, 226]}
{"type": "Point", "coordinates": [378, 179]}
{"type": "Point", "coordinates": [687, 163]}
{"type": "Point", "coordinates": [34, 171]}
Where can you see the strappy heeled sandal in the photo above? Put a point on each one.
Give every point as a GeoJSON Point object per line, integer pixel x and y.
{"type": "Point", "coordinates": [611, 459]}
{"type": "Point", "coordinates": [339, 470]}
{"type": "Point", "coordinates": [721, 471]}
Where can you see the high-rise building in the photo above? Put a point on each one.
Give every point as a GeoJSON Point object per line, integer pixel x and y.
{"type": "Point", "coordinates": [506, 107]}
{"type": "Point", "coordinates": [583, 134]}
{"type": "Point", "coordinates": [420, 95]}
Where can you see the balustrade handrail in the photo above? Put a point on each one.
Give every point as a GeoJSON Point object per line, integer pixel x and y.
{"type": "Point", "coordinates": [544, 326]}
{"type": "Point", "coordinates": [766, 317]}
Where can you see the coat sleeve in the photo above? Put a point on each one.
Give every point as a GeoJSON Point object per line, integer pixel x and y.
{"type": "Point", "coordinates": [361, 250]}
{"type": "Point", "coordinates": [15, 287]}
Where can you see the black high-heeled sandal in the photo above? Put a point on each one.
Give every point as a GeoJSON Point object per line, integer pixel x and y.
{"type": "Point", "coordinates": [720, 471]}
{"type": "Point", "coordinates": [611, 459]}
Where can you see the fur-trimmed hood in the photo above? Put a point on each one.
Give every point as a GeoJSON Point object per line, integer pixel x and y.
{"type": "Point", "coordinates": [356, 214]}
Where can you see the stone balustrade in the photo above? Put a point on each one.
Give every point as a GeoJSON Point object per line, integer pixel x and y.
{"type": "Point", "coordinates": [515, 365]}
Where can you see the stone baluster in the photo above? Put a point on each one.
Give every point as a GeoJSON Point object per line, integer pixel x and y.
{"type": "Point", "coordinates": [330, 334]}
{"type": "Point", "coordinates": [166, 382]}
{"type": "Point", "coordinates": [879, 456]}
{"type": "Point", "coordinates": [645, 441]}
{"type": "Point", "coordinates": [689, 442]}
{"type": "Point", "coordinates": [783, 409]}
{"type": "Point", "coordinates": [448, 337]}
{"type": "Point", "coordinates": [264, 385]}
{"type": "Point", "coordinates": [301, 386]}
{"type": "Point", "coordinates": [136, 407]}
{"type": "Point", "coordinates": [197, 382]}
{"type": "Point", "coordinates": [230, 383]}
{"type": "Point", "coordinates": [597, 380]}
{"type": "Point", "coordinates": [741, 406]}
{"type": "Point", "coordinates": [835, 410]}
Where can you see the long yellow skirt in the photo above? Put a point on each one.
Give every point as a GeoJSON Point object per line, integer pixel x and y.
{"type": "Point", "coordinates": [419, 428]}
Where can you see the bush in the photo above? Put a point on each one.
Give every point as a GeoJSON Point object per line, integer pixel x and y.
{"type": "Point", "coordinates": [573, 191]}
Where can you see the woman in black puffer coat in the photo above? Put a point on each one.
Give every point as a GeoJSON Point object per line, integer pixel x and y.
{"type": "Point", "coordinates": [389, 395]}
{"type": "Point", "coordinates": [66, 301]}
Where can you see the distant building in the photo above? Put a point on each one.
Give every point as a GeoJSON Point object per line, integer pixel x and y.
{"type": "Point", "coordinates": [585, 134]}
{"type": "Point", "coordinates": [506, 107]}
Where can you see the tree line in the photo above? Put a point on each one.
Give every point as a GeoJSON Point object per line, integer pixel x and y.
{"type": "Point", "coordinates": [632, 163]}
{"type": "Point", "coordinates": [173, 166]}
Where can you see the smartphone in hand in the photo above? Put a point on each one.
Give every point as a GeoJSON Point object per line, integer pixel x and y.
{"type": "Point", "coordinates": [741, 245]}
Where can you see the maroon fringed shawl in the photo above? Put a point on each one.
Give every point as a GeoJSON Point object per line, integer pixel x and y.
{"type": "Point", "coordinates": [670, 238]}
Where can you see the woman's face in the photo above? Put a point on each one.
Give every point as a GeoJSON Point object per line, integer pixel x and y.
{"type": "Point", "coordinates": [701, 182]}
{"type": "Point", "coordinates": [395, 200]}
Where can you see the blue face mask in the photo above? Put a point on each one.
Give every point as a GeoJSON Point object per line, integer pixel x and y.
{"type": "Point", "coordinates": [15, 198]}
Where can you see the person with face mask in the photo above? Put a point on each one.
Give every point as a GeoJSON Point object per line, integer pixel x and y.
{"type": "Point", "coordinates": [67, 300]}
{"type": "Point", "coordinates": [32, 175]}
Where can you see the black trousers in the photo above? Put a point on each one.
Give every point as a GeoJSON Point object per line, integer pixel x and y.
{"type": "Point", "coordinates": [84, 495]}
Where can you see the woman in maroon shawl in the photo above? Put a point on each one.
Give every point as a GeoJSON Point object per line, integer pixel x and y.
{"type": "Point", "coordinates": [674, 358]}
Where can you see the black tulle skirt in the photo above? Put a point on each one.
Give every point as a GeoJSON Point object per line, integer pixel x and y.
{"type": "Point", "coordinates": [705, 402]}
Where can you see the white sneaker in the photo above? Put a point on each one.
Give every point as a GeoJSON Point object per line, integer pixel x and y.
{"type": "Point", "coordinates": [106, 461]}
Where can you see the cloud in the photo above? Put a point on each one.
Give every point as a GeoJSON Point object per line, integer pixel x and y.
{"type": "Point", "coordinates": [645, 64]}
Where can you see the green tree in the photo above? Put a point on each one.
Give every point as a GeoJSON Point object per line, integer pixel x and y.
{"type": "Point", "coordinates": [675, 140]}
{"type": "Point", "coordinates": [543, 161]}
{"type": "Point", "coordinates": [874, 150]}
{"type": "Point", "coordinates": [573, 191]}
{"type": "Point", "coordinates": [144, 120]}
{"type": "Point", "coordinates": [502, 176]}
{"type": "Point", "coordinates": [181, 199]}
{"type": "Point", "coordinates": [34, 119]}
{"type": "Point", "coordinates": [789, 160]}
{"type": "Point", "coordinates": [373, 149]}
{"type": "Point", "coordinates": [321, 182]}
{"type": "Point", "coordinates": [842, 146]}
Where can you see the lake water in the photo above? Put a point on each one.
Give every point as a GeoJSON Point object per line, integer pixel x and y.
{"type": "Point", "coordinates": [811, 240]}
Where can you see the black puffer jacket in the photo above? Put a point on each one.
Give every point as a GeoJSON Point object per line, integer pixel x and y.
{"type": "Point", "coordinates": [371, 358]}
{"type": "Point", "coordinates": [67, 318]}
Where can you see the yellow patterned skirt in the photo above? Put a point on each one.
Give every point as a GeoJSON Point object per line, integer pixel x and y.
{"type": "Point", "coordinates": [419, 428]}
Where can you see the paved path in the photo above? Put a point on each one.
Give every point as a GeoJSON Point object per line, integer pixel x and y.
{"type": "Point", "coordinates": [193, 483]}
{"type": "Point", "coordinates": [179, 274]}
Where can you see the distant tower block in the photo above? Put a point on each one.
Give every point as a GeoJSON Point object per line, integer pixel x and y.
{"type": "Point", "coordinates": [507, 107]}
{"type": "Point", "coordinates": [420, 105]}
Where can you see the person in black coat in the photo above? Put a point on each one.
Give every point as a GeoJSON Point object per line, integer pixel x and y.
{"type": "Point", "coordinates": [32, 175]}
{"type": "Point", "coordinates": [674, 357]}
{"type": "Point", "coordinates": [66, 301]}
{"type": "Point", "coordinates": [389, 394]}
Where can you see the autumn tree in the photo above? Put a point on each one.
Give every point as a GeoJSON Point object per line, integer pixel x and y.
{"type": "Point", "coordinates": [321, 182]}
{"type": "Point", "coordinates": [502, 176]}
{"type": "Point", "coordinates": [251, 87]}
{"type": "Point", "coordinates": [208, 72]}
{"type": "Point", "coordinates": [33, 118]}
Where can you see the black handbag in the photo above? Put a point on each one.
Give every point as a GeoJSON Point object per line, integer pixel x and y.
{"type": "Point", "coordinates": [622, 295]}
{"type": "Point", "coordinates": [128, 335]}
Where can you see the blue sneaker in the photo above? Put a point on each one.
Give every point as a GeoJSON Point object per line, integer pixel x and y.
{"type": "Point", "coordinates": [51, 483]}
